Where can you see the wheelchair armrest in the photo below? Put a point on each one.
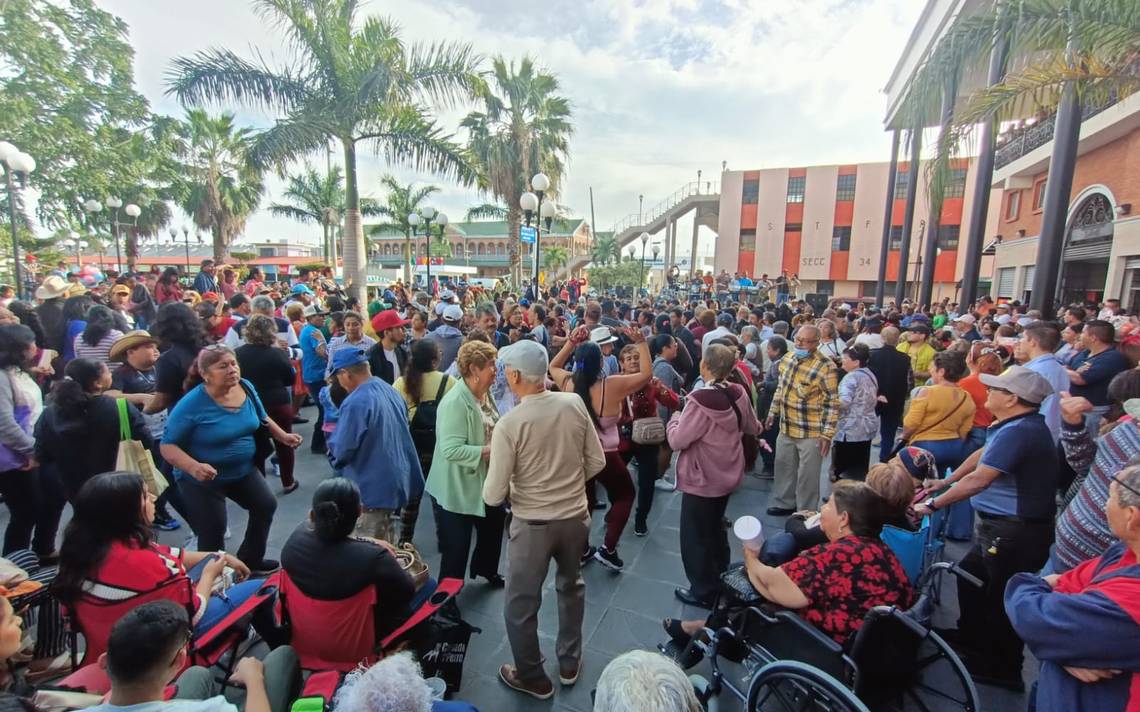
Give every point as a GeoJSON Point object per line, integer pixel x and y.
{"type": "Point", "coordinates": [965, 576]}
{"type": "Point", "coordinates": [445, 590]}
{"type": "Point", "coordinates": [907, 621]}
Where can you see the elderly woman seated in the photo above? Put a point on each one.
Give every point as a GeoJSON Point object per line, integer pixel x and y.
{"type": "Point", "coordinates": [395, 684]}
{"type": "Point", "coordinates": [832, 585]}
{"type": "Point", "coordinates": [640, 681]}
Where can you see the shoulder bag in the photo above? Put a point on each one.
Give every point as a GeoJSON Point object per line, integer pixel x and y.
{"type": "Point", "coordinates": [904, 442]}
{"type": "Point", "coordinates": [134, 457]}
{"type": "Point", "coordinates": [645, 431]}
{"type": "Point", "coordinates": [749, 442]}
{"type": "Point", "coordinates": [263, 445]}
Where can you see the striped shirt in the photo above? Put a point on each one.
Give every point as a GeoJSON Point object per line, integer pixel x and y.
{"type": "Point", "coordinates": [807, 397]}
{"type": "Point", "coordinates": [101, 351]}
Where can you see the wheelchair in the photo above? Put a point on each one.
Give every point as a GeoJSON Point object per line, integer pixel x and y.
{"type": "Point", "coordinates": [894, 663]}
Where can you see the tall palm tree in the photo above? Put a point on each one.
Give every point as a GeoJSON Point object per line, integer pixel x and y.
{"type": "Point", "coordinates": [314, 197]}
{"type": "Point", "coordinates": [606, 249]}
{"type": "Point", "coordinates": [217, 186]}
{"type": "Point", "coordinates": [353, 81]}
{"type": "Point", "coordinates": [523, 128]}
{"type": "Point", "coordinates": [400, 202]}
{"type": "Point", "coordinates": [1037, 33]}
{"type": "Point", "coordinates": [554, 257]}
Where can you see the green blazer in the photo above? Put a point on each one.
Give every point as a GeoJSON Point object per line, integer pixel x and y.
{"type": "Point", "coordinates": [457, 468]}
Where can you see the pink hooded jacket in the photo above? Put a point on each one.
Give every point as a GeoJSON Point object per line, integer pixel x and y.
{"type": "Point", "coordinates": [707, 435]}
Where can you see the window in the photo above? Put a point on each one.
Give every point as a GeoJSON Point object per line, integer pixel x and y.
{"type": "Point", "coordinates": [845, 187]}
{"type": "Point", "coordinates": [747, 240]}
{"type": "Point", "coordinates": [956, 187]}
{"type": "Point", "coordinates": [902, 180]}
{"type": "Point", "coordinates": [796, 189]}
{"type": "Point", "coordinates": [1027, 286]}
{"type": "Point", "coordinates": [1039, 195]}
{"type": "Point", "coordinates": [841, 239]}
{"type": "Point", "coordinates": [1005, 282]}
{"type": "Point", "coordinates": [1013, 205]}
{"type": "Point", "coordinates": [948, 236]}
{"type": "Point", "coordinates": [896, 238]}
{"type": "Point", "coordinates": [794, 227]}
{"type": "Point", "coordinates": [751, 192]}
{"type": "Point", "coordinates": [825, 286]}
{"type": "Point", "coordinates": [266, 252]}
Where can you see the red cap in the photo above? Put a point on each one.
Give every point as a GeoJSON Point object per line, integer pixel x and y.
{"type": "Point", "coordinates": [388, 319]}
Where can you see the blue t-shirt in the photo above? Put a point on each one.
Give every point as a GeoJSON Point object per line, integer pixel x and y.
{"type": "Point", "coordinates": [1021, 448]}
{"type": "Point", "coordinates": [215, 435]}
{"type": "Point", "coordinates": [1097, 371]}
{"type": "Point", "coordinates": [313, 365]}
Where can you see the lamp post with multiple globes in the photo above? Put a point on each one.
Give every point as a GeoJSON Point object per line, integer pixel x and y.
{"type": "Point", "coordinates": [17, 164]}
{"type": "Point", "coordinates": [426, 217]}
{"type": "Point", "coordinates": [532, 205]}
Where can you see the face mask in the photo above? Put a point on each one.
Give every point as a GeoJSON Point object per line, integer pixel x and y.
{"type": "Point", "coordinates": [801, 353]}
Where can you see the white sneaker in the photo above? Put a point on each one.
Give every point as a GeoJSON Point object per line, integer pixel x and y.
{"type": "Point", "coordinates": [665, 485]}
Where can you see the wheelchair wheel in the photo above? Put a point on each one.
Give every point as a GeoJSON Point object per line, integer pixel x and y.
{"type": "Point", "coordinates": [790, 686]}
{"type": "Point", "coordinates": [938, 681]}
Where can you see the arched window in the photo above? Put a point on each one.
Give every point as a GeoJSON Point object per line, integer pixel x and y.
{"type": "Point", "coordinates": [502, 248]}
{"type": "Point", "coordinates": [480, 249]}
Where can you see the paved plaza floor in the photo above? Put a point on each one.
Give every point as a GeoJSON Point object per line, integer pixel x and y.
{"type": "Point", "coordinates": [623, 610]}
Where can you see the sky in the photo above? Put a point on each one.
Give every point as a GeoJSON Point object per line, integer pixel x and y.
{"type": "Point", "coordinates": [659, 88]}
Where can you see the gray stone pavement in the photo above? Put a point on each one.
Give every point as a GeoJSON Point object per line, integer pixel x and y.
{"type": "Point", "coordinates": [623, 610]}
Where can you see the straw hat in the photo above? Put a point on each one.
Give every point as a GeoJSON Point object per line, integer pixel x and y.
{"type": "Point", "coordinates": [130, 340]}
{"type": "Point", "coordinates": [53, 287]}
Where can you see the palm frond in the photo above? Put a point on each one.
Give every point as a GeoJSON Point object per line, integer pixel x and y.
{"type": "Point", "coordinates": [221, 75]}
{"type": "Point", "coordinates": [486, 211]}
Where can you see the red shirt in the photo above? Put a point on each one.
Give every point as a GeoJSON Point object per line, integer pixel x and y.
{"type": "Point", "coordinates": [131, 568]}
{"type": "Point", "coordinates": [845, 579]}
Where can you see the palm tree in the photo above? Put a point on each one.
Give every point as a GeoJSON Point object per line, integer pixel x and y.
{"type": "Point", "coordinates": [606, 249]}
{"type": "Point", "coordinates": [523, 129]}
{"type": "Point", "coordinates": [486, 211]}
{"type": "Point", "coordinates": [1037, 34]}
{"type": "Point", "coordinates": [554, 257]}
{"type": "Point", "coordinates": [400, 202]}
{"type": "Point", "coordinates": [218, 186]}
{"type": "Point", "coordinates": [314, 197]}
{"type": "Point", "coordinates": [352, 81]}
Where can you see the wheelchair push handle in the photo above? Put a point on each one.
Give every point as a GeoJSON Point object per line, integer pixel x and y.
{"type": "Point", "coordinates": [965, 576]}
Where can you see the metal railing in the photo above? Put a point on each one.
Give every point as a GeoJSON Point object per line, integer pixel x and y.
{"type": "Point", "coordinates": [705, 187]}
{"type": "Point", "coordinates": [1033, 137]}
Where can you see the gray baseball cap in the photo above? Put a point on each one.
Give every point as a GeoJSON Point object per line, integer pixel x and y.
{"type": "Point", "coordinates": [527, 357]}
{"type": "Point", "coordinates": [1021, 382]}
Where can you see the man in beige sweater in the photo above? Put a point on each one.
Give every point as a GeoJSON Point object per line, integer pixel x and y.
{"type": "Point", "coordinates": [542, 453]}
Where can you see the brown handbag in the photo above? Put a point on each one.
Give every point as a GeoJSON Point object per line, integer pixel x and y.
{"type": "Point", "coordinates": [410, 561]}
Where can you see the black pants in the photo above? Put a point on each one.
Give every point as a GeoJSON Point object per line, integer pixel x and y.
{"type": "Point", "coordinates": [704, 543]}
{"type": "Point", "coordinates": [206, 503]}
{"type": "Point", "coordinates": [317, 444]}
{"type": "Point", "coordinates": [850, 460]}
{"type": "Point", "coordinates": [889, 424]}
{"type": "Point", "coordinates": [453, 531]}
{"type": "Point", "coordinates": [647, 476]}
{"type": "Point", "coordinates": [768, 457]}
{"type": "Point", "coordinates": [35, 503]}
{"type": "Point", "coordinates": [999, 550]}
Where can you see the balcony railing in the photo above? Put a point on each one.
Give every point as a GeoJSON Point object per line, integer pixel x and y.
{"type": "Point", "coordinates": [1033, 137]}
{"type": "Point", "coordinates": [704, 187]}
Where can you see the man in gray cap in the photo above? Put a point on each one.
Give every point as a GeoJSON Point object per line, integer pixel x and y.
{"type": "Point", "coordinates": [447, 335]}
{"type": "Point", "coordinates": [542, 453]}
{"type": "Point", "coordinates": [724, 324]}
{"type": "Point", "coordinates": [1011, 483]}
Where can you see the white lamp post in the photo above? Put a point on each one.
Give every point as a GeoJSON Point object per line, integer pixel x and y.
{"type": "Point", "coordinates": [531, 204]}
{"type": "Point", "coordinates": [133, 211]}
{"type": "Point", "coordinates": [17, 163]}
{"type": "Point", "coordinates": [644, 240]}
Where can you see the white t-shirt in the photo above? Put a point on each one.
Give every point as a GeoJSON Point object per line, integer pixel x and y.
{"type": "Point", "coordinates": [391, 356]}
{"type": "Point", "coordinates": [211, 704]}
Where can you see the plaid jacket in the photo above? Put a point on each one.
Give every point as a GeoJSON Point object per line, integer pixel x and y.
{"type": "Point", "coordinates": [807, 397]}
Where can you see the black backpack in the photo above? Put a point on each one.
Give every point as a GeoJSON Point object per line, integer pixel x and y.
{"type": "Point", "coordinates": [423, 423]}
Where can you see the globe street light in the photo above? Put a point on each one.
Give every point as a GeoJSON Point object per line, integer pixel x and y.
{"type": "Point", "coordinates": [644, 239]}
{"type": "Point", "coordinates": [18, 165]}
{"type": "Point", "coordinates": [133, 211]}
{"type": "Point", "coordinates": [531, 204]}
{"type": "Point", "coordinates": [426, 216]}
{"type": "Point", "coordinates": [94, 207]}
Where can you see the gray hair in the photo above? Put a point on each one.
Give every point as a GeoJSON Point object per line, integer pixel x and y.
{"type": "Point", "coordinates": [1130, 476]}
{"type": "Point", "coordinates": [394, 683]}
{"type": "Point", "coordinates": [486, 309]}
{"type": "Point", "coordinates": [263, 305]}
{"type": "Point", "coordinates": [781, 328]}
{"type": "Point", "coordinates": [640, 681]}
{"type": "Point", "coordinates": [752, 333]}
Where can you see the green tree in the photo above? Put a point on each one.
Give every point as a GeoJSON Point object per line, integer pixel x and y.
{"type": "Point", "coordinates": [68, 99]}
{"type": "Point", "coordinates": [314, 197]}
{"type": "Point", "coordinates": [523, 128]}
{"type": "Point", "coordinates": [554, 257]}
{"type": "Point", "coordinates": [217, 185]}
{"type": "Point", "coordinates": [401, 201]}
{"type": "Point", "coordinates": [621, 274]}
{"type": "Point", "coordinates": [351, 80]}
{"type": "Point", "coordinates": [606, 249]}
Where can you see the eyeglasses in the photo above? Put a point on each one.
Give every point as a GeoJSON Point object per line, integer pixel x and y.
{"type": "Point", "coordinates": [1128, 487]}
{"type": "Point", "coordinates": [991, 389]}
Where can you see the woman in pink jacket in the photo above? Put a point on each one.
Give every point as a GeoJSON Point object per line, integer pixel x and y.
{"type": "Point", "coordinates": [707, 435]}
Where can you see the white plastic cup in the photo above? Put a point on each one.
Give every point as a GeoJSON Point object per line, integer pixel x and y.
{"type": "Point", "coordinates": [749, 530]}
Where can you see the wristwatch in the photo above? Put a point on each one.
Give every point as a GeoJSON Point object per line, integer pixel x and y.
{"type": "Point", "coordinates": [929, 503]}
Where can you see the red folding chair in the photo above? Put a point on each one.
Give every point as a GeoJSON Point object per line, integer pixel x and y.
{"type": "Point", "coordinates": [94, 617]}
{"type": "Point", "coordinates": [340, 635]}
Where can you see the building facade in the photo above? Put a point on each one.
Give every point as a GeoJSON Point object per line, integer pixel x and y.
{"type": "Point", "coordinates": [825, 224]}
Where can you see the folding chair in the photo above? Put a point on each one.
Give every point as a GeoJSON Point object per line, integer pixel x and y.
{"type": "Point", "coordinates": [340, 635]}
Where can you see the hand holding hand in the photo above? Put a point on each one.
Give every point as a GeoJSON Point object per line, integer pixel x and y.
{"type": "Point", "coordinates": [579, 335]}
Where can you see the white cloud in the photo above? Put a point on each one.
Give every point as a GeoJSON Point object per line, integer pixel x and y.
{"type": "Point", "coordinates": [660, 88]}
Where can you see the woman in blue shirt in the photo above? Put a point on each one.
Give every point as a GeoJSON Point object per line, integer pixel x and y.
{"type": "Point", "coordinates": [209, 440]}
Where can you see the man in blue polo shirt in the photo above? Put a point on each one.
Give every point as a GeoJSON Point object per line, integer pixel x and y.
{"type": "Point", "coordinates": [1093, 368]}
{"type": "Point", "coordinates": [1010, 483]}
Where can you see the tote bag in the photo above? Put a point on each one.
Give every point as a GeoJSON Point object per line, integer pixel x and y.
{"type": "Point", "coordinates": [134, 457]}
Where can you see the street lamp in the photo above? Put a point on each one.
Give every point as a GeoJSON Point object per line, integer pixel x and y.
{"type": "Point", "coordinates": [640, 206]}
{"type": "Point", "coordinates": [94, 207]}
{"type": "Point", "coordinates": [644, 239]}
{"type": "Point", "coordinates": [133, 211]}
{"type": "Point", "coordinates": [426, 216]}
{"type": "Point", "coordinates": [531, 204]}
{"type": "Point", "coordinates": [74, 241]}
{"type": "Point", "coordinates": [17, 163]}
{"type": "Point", "coordinates": [657, 251]}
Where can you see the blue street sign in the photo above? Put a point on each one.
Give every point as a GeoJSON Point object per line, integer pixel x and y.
{"type": "Point", "coordinates": [527, 234]}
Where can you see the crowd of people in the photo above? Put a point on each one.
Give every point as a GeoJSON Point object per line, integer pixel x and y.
{"type": "Point", "coordinates": [513, 414]}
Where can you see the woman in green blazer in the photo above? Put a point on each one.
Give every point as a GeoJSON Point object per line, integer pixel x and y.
{"type": "Point", "coordinates": [463, 426]}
